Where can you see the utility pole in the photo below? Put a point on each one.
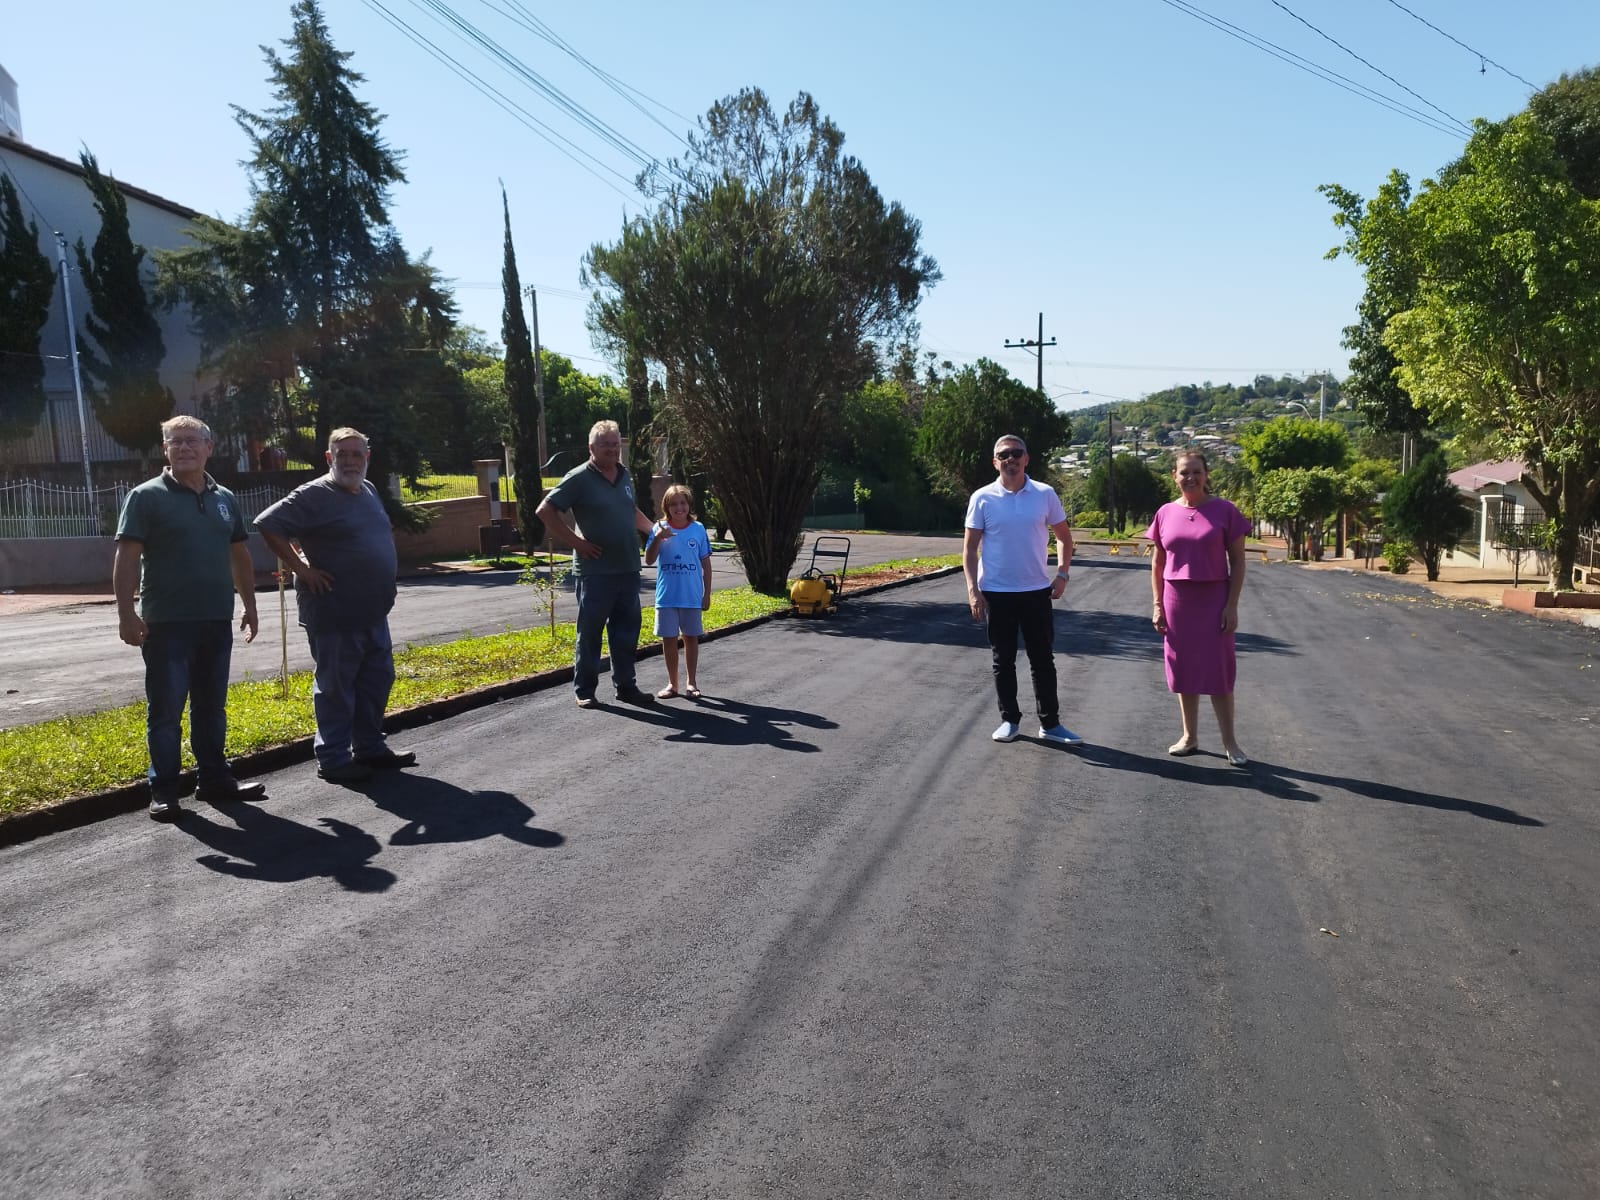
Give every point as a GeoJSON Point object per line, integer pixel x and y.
{"type": "Point", "coordinates": [538, 374]}
{"type": "Point", "coordinates": [1111, 472]}
{"type": "Point", "coordinates": [1037, 346]}
{"type": "Point", "coordinates": [1322, 397]}
{"type": "Point", "coordinates": [72, 353]}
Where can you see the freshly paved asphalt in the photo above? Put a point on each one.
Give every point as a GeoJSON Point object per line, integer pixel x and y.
{"type": "Point", "coordinates": [819, 937]}
{"type": "Point", "coordinates": [69, 660]}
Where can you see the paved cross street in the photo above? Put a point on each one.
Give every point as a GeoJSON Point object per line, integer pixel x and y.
{"type": "Point", "coordinates": [68, 660]}
{"type": "Point", "coordinates": [818, 936]}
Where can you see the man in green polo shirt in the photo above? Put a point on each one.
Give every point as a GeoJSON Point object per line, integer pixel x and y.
{"type": "Point", "coordinates": [605, 546]}
{"type": "Point", "coordinates": [182, 546]}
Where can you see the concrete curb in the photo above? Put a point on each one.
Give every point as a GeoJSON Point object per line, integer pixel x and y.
{"type": "Point", "coordinates": [77, 811]}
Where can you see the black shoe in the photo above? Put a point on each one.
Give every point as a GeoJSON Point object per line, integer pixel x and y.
{"type": "Point", "coordinates": [229, 790]}
{"type": "Point", "coordinates": [350, 772]}
{"type": "Point", "coordinates": [165, 808]}
{"type": "Point", "coordinates": [389, 760]}
{"type": "Point", "coordinates": [632, 695]}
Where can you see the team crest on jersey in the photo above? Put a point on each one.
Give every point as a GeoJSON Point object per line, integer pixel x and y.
{"type": "Point", "coordinates": [222, 510]}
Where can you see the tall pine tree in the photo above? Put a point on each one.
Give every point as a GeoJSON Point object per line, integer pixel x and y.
{"type": "Point", "coordinates": [322, 175]}
{"type": "Point", "coordinates": [26, 280]}
{"type": "Point", "coordinates": [122, 368]}
{"type": "Point", "coordinates": [522, 397]}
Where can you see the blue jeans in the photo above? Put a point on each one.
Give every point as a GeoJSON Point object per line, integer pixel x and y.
{"type": "Point", "coordinates": [186, 662]}
{"type": "Point", "coordinates": [349, 691]}
{"type": "Point", "coordinates": [607, 604]}
{"type": "Point", "coordinates": [1032, 615]}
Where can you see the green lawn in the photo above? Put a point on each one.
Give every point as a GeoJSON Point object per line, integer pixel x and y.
{"type": "Point", "coordinates": [451, 486]}
{"type": "Point", "coordinates": [70, 756]}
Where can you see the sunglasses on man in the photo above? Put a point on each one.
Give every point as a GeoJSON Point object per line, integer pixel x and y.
{"type": "Point", "coordinates": [1009, 452]}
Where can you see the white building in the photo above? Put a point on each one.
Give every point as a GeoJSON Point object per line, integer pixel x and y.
{"type": "Point", "coordinates": [56, 198]}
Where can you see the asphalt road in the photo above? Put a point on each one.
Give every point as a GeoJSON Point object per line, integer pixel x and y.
{"type": "Point", "coordinates": [819, 937]}
{"type": "Point", "coordinates": [69, 660]}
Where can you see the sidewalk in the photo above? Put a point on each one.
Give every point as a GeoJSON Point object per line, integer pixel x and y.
{"type": "Point", "coordinates": [1475, 585]}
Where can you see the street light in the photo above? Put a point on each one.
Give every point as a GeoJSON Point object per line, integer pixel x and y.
{"type": "Point", "coordinates": [1301, 407]}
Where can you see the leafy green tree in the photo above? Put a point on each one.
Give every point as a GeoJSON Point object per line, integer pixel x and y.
{"type": "Point", "coordinates": [1298, 499]}
{"type": "Point", "coordinates": [522, 400]}
{"type": "Point", "coordinates": [26, 281]}
{"type": "Point", "coordinates": [971, 409]}
{"type": "Point", "coordinates": [1426, 509]}
{"type": "Point", "coordinates": [1294, 443]}
{"type": "Point", "coordinates": [1503, 333]}
{"type": "Point", "coordinates": [1139, 491]}
{"type": "Point", "coordinates": [573, 401]}
{"type": "Point", "coordinates": [760, 281]}
{"type": "Point", "coordinates": [122, 363]}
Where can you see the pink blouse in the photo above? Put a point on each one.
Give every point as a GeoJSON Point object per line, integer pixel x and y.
{"type": "Point", "coordinates": [1196, 540]}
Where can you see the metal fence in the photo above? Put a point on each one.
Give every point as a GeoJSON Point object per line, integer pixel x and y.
{"type": "Point", "coordinates": [31, 509]}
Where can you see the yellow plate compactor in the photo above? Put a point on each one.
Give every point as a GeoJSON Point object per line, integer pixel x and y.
{"type": "Point", "coordinates": [817, 591]}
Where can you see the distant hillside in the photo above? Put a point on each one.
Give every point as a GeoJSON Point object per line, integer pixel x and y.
{"type": "Point", "coordinates": [1161, 416]}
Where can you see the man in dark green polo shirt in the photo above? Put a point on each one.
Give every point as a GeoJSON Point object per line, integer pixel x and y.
{"type": "Point", "coordinates": [182, 546]}
{"type": "Point", "coordinates": [605, 546]}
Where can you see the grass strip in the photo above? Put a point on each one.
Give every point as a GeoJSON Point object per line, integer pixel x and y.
{"type": "Point", "coordinates": [91, 752]}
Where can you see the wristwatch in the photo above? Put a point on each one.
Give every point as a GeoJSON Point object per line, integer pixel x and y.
{"type": "Point", "coordinates": [1063, 575]}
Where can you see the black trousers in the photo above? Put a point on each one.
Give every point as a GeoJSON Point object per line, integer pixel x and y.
{"type": "Point", "coordinates": [1032, 615]}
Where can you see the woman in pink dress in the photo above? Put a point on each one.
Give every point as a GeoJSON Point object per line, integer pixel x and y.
{"type": "Point", "coordinates": [1196, 575]}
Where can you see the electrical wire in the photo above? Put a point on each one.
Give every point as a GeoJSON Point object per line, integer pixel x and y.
{"type": "Point", "coordinates": [1301, 63]}
{"type": "Point", "coordinates": [505, 103]}
{"type": "Point", "coordinates": [515, 66]}
{"type": "Point", "coordinates": [521, 16]}
{"type": "Point", "coordinates": [1448, 116]}
{"type": "Point", "coordinates": [1482, 57]}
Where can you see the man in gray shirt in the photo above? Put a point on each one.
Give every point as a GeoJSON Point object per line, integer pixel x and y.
{"type": "Point", "coordinates": [605, 546]}
{"type": "Point", "coordinates": [344, 586]}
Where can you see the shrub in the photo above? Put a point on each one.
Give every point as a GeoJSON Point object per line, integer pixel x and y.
{"type": "Point", "coordinates": [1398, 556]}
{"type": "Point", "coordinates": [1091, 518]}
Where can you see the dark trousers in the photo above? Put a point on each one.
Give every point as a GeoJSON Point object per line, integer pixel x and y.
{"type": "Point", "coordinates": [1031, 614]}
{"type": "Point", "coordinates": [186, 662]}
{"type": "Point", "coordinates": [355, 671]}
{"type": "Point", "coordinates": [607, 604]}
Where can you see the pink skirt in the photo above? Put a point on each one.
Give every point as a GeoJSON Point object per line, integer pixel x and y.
{"type": "Point", "coordinates": [1199, 656]}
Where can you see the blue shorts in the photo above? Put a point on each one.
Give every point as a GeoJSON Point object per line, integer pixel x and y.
{"type": "Point", "coordinates": [678, 622]}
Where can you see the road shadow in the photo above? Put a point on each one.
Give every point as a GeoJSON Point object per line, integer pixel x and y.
{"type": "Point", "coordinates": [263, 846]}
{"type": "Point", "coordinates": [1207, 769]}
{"type": "Point", "coordinates": [920, 623]}
{"type": "Point", "coordinates": [1104, 634]}
{"type": "Point", "coordinates": [716, 721]}
{"type": "Point", "coordinates": [435, 811]}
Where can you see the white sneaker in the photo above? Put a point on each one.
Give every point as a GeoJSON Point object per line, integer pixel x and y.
{"type": "Point", "coordinates": [1007, 732]}
{"type": "Point", "coordinates": [1059, 733]}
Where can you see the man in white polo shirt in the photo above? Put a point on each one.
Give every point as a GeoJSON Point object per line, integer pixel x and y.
{"type": "Point", "coordinates": [1010, 584]}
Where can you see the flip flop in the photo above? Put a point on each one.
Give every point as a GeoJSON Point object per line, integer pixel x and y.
{"type": "Point", "coordinates": [666, 693]}
{"type": "Point", "coordinates": [693, 693]}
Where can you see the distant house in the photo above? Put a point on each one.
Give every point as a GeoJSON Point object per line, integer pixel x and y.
{"type": "Point", "coordinates": [55, 197]}
{"type": "Point", "coordinates": [1501, 506]}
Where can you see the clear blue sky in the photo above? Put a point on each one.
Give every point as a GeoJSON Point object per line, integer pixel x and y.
{"type": "Point", "coordinates": [1144, 180]}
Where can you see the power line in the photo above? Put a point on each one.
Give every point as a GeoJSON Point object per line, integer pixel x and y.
{"type": "Point", "coordinates": [510, 62]}
{"type": "Point", "coordinates": [627, 92]}
{"type": "Point", "coordinates": [1301, 63]}
{"type": "Point", "coordinates": [1370, 66]}
{"type": "Point", "coordinates": [1482, 58]}
{"type": "Point", "coordinates": [505, 103]}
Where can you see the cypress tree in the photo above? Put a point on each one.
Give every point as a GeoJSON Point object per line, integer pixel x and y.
{"type": "Point", "coordinates": [521, 395]}
{"type": "Point", "coordinates": [122, 368]}
{"type": "Point", "coordinates": [26, 280]}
